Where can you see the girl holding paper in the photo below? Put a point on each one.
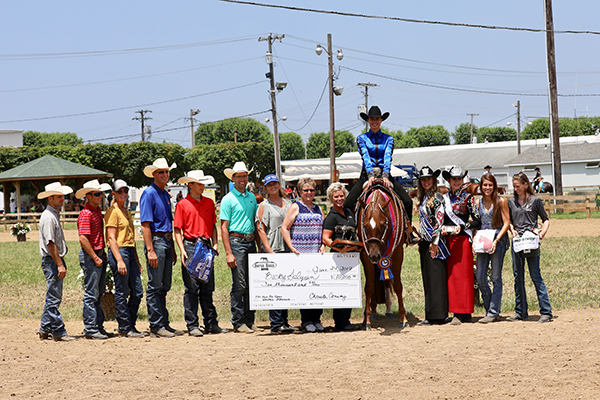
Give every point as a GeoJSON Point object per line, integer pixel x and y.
{"type": "Point", "coordinates": [495, 218]}
{"type": "Point", "coordinates": [525, 208]}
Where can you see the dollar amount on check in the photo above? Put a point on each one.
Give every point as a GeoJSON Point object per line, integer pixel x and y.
{"type": "Point", "coordinates": [285, 280]}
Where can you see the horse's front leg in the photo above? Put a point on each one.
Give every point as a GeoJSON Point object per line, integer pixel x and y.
{"type": "Point", "coordinates": [397, 284]}
{"type": "Point", "coordinates": [369, 290]}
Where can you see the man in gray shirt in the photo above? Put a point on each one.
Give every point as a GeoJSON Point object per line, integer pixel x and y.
{"type": "Point", "coordinates": [53, 249]}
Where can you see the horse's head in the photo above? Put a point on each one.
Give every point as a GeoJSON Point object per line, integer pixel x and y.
{"type": "Point", "coordinates": [375, 226]}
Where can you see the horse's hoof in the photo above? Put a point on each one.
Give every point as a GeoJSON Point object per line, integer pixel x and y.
{"type": "Point", "coordinates": [404, 324]}
{"type": "Point", "coordinates": [367, 327]}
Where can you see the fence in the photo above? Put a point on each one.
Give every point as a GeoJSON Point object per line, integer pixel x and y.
{"type": "Point", "coordinates": [585, 203]}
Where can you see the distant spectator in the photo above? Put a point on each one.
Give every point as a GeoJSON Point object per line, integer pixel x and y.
{"type": "Point", "coordinates": [488, 169]}
{"type": "Point", "coordinates": [13, 206]}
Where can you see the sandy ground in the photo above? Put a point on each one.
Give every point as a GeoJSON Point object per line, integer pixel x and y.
{"type": "Point", "coordinates": [518, 360]}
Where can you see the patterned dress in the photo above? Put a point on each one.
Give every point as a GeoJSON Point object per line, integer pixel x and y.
{"type": "Point", "coordinates": [307, 229]}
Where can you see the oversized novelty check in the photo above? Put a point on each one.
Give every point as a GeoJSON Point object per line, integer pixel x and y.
{"type": "Point", "coordinates": [284, 280]}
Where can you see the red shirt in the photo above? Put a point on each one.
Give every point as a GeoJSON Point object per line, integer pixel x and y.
{"type": "Point", "coordinates": [91, 223]}
{"type": "Point", "coordinates": [195, 218]}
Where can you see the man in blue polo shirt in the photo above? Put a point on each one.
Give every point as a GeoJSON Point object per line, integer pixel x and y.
{"type": "Point", "coordinates": [238, 212]}
{"type": "Point", "coordinates": [157, 229]}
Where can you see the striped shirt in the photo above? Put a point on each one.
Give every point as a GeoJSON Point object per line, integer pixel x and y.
{"type": "Point", "coordinates": [307, 229]}
{"type": "Point", "coordinates": [91, 223]}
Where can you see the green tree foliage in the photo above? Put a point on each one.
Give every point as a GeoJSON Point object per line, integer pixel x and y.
{"type": "Point", "coordinates": [540, 128]}
{"type": "Point", "coordinates": [43, 139]}
{"type": "Point", "coordinates": [247, 130]}
{"type": "Point", "coordinates": [318, 144]}
{"type": "Point", "coordinates": [462, 133]}
{"type": "Point", "coordinates": [291, 146]}
{"type": "Point", "coordinates": [431, 135]}
{"type": "Point", "coordinates": [496, 134]}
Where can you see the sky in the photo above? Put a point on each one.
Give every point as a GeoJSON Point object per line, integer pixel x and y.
{"type": "Point", "coordinates": [83, 67]}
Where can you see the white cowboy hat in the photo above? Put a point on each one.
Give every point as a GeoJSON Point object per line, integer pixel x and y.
{"type": "Point", "coordinates": [160, 163]}
{"type": "Point", "coordinates": [54, 189]}
{"type": "Point", "coordinates": [197, 176]}
{"type": "Point", "coordinates": [92, 186]}
{"type": "Point", "coordinates": [239, 166]}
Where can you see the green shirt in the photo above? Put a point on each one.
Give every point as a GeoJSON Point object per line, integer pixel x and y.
{"type": "Point", "coordinates": [240, 210]}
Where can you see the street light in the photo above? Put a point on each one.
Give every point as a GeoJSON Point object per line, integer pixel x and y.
{"type": "Point", "coordinates": [193, 111]}
{"type": "Point", "coordinates": [518, 124]}
{"type": "Point", "coordinates": [334, 173]}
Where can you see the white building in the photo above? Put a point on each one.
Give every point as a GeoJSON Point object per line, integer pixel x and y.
{"type": "Point", "coordinates": [11, 138]}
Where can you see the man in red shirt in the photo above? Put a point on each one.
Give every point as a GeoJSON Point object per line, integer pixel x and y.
{"type": "Point", "coordinates": [92, 258]}
{"type": "Point", "coordinates": [195, 220]}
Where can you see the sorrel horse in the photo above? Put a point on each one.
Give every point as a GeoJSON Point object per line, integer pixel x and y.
{"type": "Point", "coordinates": [381, 229]}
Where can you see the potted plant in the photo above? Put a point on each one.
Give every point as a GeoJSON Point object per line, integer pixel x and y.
{"type": "Point", "coordinates": [20, 229]}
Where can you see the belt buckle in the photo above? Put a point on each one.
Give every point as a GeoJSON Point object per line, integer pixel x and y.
{"type": "Point", "coordinates": [249, 237]}
{"type": "Point", "coordinates": [168, 235]}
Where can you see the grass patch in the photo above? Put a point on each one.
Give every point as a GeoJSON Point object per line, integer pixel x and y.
{"type": "Point", "coordinates": [569, 266]}
{"type": "Point", "coordinates": [574, 215]}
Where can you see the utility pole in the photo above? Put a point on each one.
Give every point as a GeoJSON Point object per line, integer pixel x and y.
{"type": "Point", "coordinates": [518, 126]}
{"type": "Point", "coordinates": [553, 100]}
{"type": "Point", "coordinates": [472, 115]}
{"type": "Point", "coordinates": [193, 111]}
{"type": "Point", "coordinates": [142, 118]}
{"type": "Point", "coordinates": [366, 86]}
{"type": "Point", "coordinates": [271, 75]}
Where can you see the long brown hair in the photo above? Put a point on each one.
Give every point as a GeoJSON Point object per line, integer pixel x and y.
{"type": "Point", "coordinates": [497, 214]}
{"type": "Point", "coordinates": [524, 180]}
{"type": "Point", "coordinates": [430, 193]}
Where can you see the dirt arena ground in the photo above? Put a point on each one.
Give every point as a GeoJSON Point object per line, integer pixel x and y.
{"type": "Point", "coordinates": [521, 360]}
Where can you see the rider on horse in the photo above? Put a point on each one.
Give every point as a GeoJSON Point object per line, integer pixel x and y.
{"type": "Point", "coordinates": [375, 148]}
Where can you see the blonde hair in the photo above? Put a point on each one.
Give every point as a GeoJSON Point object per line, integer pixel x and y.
{"type": "Point", "coordinates": [306, 181]}
{"type": "Point", "coordinates": [336, 187]}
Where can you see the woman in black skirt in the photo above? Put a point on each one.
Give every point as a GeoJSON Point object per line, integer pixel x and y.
{"type": "Point", "coordinates": [432, 248]}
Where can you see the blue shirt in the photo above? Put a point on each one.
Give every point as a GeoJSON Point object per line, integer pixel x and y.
{"type": "Point", "coordinates": [155, 207]}
{"type": "Point", "coordinates": [376, 150]}
{"type": "Point", "coordinates": [240, 210]}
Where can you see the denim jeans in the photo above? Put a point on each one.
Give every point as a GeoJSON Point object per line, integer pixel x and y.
{"type": "Point", "coordinates": [540, 287]}
{"type": "Point", "coordinates": [240, 291]}
{"type": "Point", "coordinates": [197, 292]}
{"type": "Point", "coordinates": [52, 321]}
{"type": "Point", "coordinates": [95, 285]}
{"type": "Point", "coordinates": [159, 283]}
{"type": "Point", "coordinates": [492, 301]}
{"type": "Point", "coordinates": [128, 288]}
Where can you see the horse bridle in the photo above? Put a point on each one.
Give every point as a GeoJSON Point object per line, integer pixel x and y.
{"type": "Point", "coordinates": [362, 230]}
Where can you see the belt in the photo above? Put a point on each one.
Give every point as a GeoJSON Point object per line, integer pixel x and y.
{"type": "Point", "coordinates": [166, 235]}
{"type": "Point", "coordinates": [249, 237]}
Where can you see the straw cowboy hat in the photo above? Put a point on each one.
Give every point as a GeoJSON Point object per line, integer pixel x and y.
{"type": "Point", "coordinates": [239, 166]}
{"type": "Point", "coordinates": [454, 172]}
{"type": "Point", "coordinates": [427, 172]}
{"type": "Point", "coordinates": [92, 186]}
{"type": "Point", "coordinates": [160, 163]}
{"type": "Point", "coordinates": [54, 189]}
{"type": "Point", "coordinates": [374, 112]}
{"type": "Point", "coordinates": [197, 176]}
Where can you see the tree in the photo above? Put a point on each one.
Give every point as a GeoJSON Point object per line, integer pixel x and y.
{"type": "Point", "coordinates": [291, 146]}
{"type": "Point", "coordinates": [431, 135]}
{"type": "Point", "coordinates": [462, 133]}
{"type": "Point", "coordinates": [43, 139]}
{"type": "Point", "coordinates": [246, 130]}
{"type": "Point", "coordinates": [318, 144]}
{"type": "Point", "coordinates": [496, 134]}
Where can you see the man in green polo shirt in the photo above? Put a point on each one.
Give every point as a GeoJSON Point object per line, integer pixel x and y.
{"type": "Point", "coordinates": [238, 212]}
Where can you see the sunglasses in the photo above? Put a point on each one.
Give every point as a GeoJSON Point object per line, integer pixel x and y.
{"type": "Point", "coordinates": [98, 194]}
{"type": "Point", "coordinates": [123, 190]}
{"type": "Point", "coordinates": [163, 172]}
{"type": "Point", "coordinates": [308, 190]}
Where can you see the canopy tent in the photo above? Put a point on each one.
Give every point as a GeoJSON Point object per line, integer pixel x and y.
{"type": "Point", "coordinates": [47, 169]}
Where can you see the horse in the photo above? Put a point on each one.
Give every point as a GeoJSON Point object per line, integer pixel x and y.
{"type": "Point", "coordinates": [541, 186]}
{"type": "Point", "coordinates": [381, 220]}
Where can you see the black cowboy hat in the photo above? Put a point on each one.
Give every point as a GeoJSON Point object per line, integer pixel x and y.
{"type": "Point", "coordinates": [427, 172]}
{"type": "Point", "coordinates": [374, 112]}
{"type": "Point", "coordinates": [487, 166]}
{"type": "Point", "coordinates": [454, 172]}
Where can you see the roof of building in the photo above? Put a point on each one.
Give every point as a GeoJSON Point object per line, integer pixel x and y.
{"type": "Point", "coordinates": [569, 153]}
{"type": "Point", "coordinates": [50, 167]}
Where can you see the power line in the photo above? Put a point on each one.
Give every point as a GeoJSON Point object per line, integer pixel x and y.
{"type": "Point", "coordinates": [129, 107]}
{"type": "Point", "coordinates": [314, 111]}
{"type": "Point", "coordinates": [418, 21]}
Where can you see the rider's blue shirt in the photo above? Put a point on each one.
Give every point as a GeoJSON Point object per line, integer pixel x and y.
{"type": "Point", "coordinates": [376, 150]}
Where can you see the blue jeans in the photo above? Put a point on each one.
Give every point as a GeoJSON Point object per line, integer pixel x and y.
{"type": "Point", "coordinates": [240, 291]}
{"type": "Point", "coordinates": [128, 288]}
{"type": "Point", "coordinates": [197, 292]}
{"type": "Point", "coordinates": [540, 287]}
{"type": "Point", "coordinates": [52, 321]}
{"type": "Point", "coordinates": [159, 283]}
{"type": "Point", "coordinates": [95, 285]}
{"type": "Point", "coordinates": [492, 301]}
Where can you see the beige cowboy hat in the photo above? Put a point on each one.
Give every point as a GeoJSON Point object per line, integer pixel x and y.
{"type": "Point", "coordinates": [54, 189]}
{"type": "Point", "coordinates": [197, 176]}
{"type": "Point", "coordinates": [160, 163]}
{"type": "Point", "coordinates": [92, 186]}
{"type": "Point", "coordinates": [239, 166]}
